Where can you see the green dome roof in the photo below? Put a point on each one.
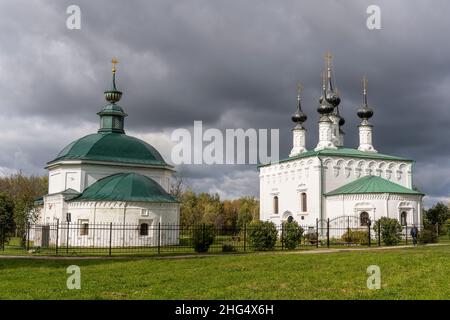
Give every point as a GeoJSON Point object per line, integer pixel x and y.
{"type": "Point", "coordinates": [125, 187]}
{"type": "Point", "coordinates": [111, 147]}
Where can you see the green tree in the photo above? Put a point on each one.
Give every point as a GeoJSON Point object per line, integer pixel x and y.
{"type": "Point", "coordinates": [438, 214]}
{"type": "Point", "coordinates": [6, 218]}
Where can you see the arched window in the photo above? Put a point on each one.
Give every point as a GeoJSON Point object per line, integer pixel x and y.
{"type": "Point", "coordinates": [403, 216]}
{"type": "Point", "coordinates": [303, 203]}
{"type": "Point", "coordinates": [364, 219]}
{"type": "Point", "coordinates": [275, 204]}
{"type": "Point", "coordinates": [143, 229]}
{"type": "Point", "coordinates": [290, 219]}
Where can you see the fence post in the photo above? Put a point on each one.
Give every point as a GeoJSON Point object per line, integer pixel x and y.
{"type": "Point", "coordinates": [57, 236]}
{"type": "Point", "coordinates": [245, 236]}
{"type": "Point", "coordinates": [159, 237]}
{"type": "Point", "coordinates": [110, 237]}
{"type": "Point", "coordinates": [368, 227]}
{"type": "Point", "coordinates": [282, 234]}
{"type": "Point", "coordinates": [67, 237]}
{"type": "Point", "coordinates": [317, 232]}
{"type": "Point", "coordinates": [28, 236]}
{"type": "Point", "coordinates": [328, 232]}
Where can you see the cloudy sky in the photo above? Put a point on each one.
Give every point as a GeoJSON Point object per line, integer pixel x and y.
{"type": "Point", "coordinates": [231, 64]}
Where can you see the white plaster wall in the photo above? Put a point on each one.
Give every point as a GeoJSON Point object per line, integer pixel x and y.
{"type": "Point", "coordinates": [79, 176]}
{"type": "Point", "coordinates": [287, 180]}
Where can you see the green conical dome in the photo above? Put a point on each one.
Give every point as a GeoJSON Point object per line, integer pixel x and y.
{"type": "Point", "coordinates": [126, 187]}
{"type": "Point", "coordinates": [111, 147]}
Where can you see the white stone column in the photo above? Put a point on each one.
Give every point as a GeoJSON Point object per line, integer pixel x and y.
{"type": "Point", "coordinates": [298, 141]}
{"type": "Point", "coordinates": [325, 134]}
{"type": "Point", "coordinates": [335, 134]}
{"type": "Point", "coordinates": [365, 137]}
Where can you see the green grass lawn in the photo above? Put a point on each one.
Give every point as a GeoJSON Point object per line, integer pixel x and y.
{"type": "Point", "coordinates": [413, 273]}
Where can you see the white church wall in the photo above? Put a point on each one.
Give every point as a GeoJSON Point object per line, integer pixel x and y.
{"type": "Point", "coordinates": [99, 215]}
{"type": "Point", "coordinates": [287, 180]}
{"type": "Point", "coordinates": [377, 205]}
{"type": "Point", "coordinates": [79, 176]}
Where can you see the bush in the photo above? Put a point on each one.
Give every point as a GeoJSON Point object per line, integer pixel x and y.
{"type": "Point", "coordinates": [228, 248]}
{"type": "Point", "coordinates": [391, 230]}
{"type": "Point", "coordinates": [292, 233]}
{"type": "Point", "coordinates": [203, 236]}
{"type": "Point", "coordinates": [427, 236]}
{"type": "Point", "coordinates": [262, 235]}
{"type": "Point", "coordinates": [356, 237]}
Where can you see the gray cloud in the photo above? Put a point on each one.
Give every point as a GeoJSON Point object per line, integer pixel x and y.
{"type": "Point", "coordinates": [229, 64]}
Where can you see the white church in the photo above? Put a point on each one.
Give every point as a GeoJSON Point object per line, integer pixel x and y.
{"type": "Point", "coordinates": [333, 180]}
{"type": "Point", "coordinates": [108, 177]}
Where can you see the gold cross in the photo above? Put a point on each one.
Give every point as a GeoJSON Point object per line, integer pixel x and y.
{"type": "Point", "coordinates": [299, 88]}
{"type": "Point", "coordinates": [365, 81]}
{"type": "Point", "coordinates": [328, 58]}
{"type": "Point", "coordinates": [114, 61]}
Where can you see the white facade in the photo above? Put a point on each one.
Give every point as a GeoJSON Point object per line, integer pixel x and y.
{"type": "Point", "coordinates": [288, 180]}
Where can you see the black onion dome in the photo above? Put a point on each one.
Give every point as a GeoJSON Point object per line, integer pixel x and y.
{"type": "Point", "coordinates": [365, 112]}
{"type": "Point", "coordinates": [299, 116]}
{"type": "Point", "coordinates": [341, 121]}
{"type": "Point", "coordinates": [325, 107]}
{"type": "Point", "coordinates": [333, 98]}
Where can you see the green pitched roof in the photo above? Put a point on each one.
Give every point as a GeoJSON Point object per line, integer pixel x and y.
{"type": "Point", "coordinates": [111, 147]}
{"type": "Point", "coordinates": [341, 152]}
{"type": "Point", "coordinates": [126, 187]}
{"type": "Point", "coordinates": [372, 184]}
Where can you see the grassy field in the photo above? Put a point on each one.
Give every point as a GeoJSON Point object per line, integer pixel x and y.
{"type": "Point", "coordinates": [412, 273]}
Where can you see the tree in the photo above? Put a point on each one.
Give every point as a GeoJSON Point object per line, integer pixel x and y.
{"type": "Point", "coordinates": [438, 214]}
{"type": "Point", "coordinates": [6, 218]}
{"type": "Point", "coordinates": [23, 190]}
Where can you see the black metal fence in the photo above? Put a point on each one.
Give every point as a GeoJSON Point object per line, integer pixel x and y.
{"type": "Point", "coordinates": [153, 239]}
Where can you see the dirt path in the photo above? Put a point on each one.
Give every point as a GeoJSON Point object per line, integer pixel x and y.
{"type": "Point", "coordinates": [181, 256]}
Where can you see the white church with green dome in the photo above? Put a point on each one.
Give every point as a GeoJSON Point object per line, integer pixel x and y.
{"type": "Point", "coordinates": [333, 180]}
{"type": "Point", "coordinates": [110, 177]}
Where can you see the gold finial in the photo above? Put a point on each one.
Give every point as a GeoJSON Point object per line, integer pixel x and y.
{"type": "Point", "coordinates": [114, 61]}
{"type": "Point", "coordinates": [299, 88]}
{"type": "Point", "coordinates": [365, 81]}
{"type": "Point", "coordinates": [328, 58]}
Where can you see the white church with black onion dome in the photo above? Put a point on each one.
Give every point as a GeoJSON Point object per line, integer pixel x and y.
{"type": "Point", "coordinates": [110, 177]}
{"type": "Point", "coordinates": [332, 180]}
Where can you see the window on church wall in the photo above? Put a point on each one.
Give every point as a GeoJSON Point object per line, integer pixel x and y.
{"type": "Point", "coordinates": [143, 229]}
{"type": "Point", "coordinates": [403, 217]}
{"type": "Point", "coordinates": [303, 202]}
{"type": "Point", "coordinates": [275, 204]}
{"type": "Point", "coordinates": [83, 227]}
{"type": "Point", "coordinates": [364, 219]}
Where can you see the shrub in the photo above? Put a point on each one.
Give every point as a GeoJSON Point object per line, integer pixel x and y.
{"type": "Point", "coordinates": [262, 235]}
{"type": "Point", "coordinates": [292, 233]}
{"type": "Point", "coordinates": [203, 236]}
{"type": "Point", "coordinates": [391, 230]}
{"type": "Point", "coordinates": [356, 237]}
{"type": "Point", "coordinates": [228, 248]}
{"type": "Point", "coordinates": [427, 236]}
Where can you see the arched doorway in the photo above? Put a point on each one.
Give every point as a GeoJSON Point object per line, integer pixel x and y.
{"type": "Point", "coordinates": [364, 219]}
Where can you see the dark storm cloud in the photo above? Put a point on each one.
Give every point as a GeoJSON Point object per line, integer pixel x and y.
{"type": "Point", "coordinates": [230, 64]}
